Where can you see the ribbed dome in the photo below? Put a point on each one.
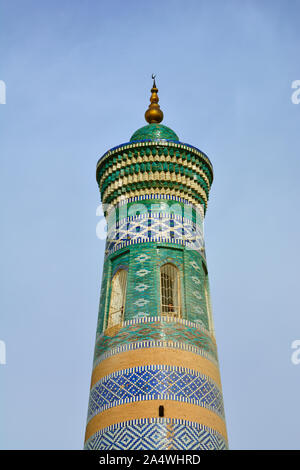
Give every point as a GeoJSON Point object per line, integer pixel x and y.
{"type": "Point", "coordinates": [154, 132]}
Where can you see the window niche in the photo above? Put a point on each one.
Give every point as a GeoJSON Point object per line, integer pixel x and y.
{"type": "Point", "coordinates": [117, 298]}
{"type": "Point", "coordinates": [170, 290]}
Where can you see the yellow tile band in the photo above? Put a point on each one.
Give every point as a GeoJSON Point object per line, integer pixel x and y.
{"type": "Point", "coordinates": [156, 356]}
{"type": "Point", "coordinates": [149, 409]}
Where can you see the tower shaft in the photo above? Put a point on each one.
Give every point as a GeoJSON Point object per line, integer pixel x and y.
{"type": "Point", "coordinates": [155, 381]}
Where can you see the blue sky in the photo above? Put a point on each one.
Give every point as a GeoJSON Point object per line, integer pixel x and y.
{"type": "Point", "coordinates": [78, 82]}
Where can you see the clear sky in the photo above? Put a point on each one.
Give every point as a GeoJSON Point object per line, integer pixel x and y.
{"type": "Point", "coordinates": [78, 79]}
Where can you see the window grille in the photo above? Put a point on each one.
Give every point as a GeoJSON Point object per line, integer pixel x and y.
{"type": "Point", "coordinates": [170, 290]}
{"type": "Point", "coordinates": [118, 297]}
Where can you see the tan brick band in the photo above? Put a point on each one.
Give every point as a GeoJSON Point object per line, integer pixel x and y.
{"type": "Point", "coordinates": [149, 409]}
{"type": "Point", "coordinates": [156, 356]}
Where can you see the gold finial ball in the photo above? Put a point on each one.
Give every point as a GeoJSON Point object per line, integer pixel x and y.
{"type": "Point", "coordinates": [154, 114]}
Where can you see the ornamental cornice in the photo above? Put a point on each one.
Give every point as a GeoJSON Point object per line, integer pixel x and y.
{"type": "Point", "coordinates": [122, 148]}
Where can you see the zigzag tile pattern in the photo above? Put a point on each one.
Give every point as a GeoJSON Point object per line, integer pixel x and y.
{"type": "Point", "coordinates": [157, 434]}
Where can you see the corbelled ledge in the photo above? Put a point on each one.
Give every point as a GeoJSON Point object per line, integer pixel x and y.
{"type": "Point", "coordinates": [153, 167]}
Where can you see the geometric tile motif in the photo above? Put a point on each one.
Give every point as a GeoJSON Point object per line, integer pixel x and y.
{"type": "Point", "coordinates": [194, 265]}
{"type": "Point", "coordinates": [155, 382]}
{"type": "Point", "coordinates": [156, 434]}
{"type": "Point", "coordinates": [141, 258]}
{"type": "Point", "coordinates": [142, 272]}
{"type": "Point", "coordinates": [178, 335]}
{"type": "Point", "coordinates": [141, 287]}
{"type": "Point", "coordinates": [141, 302]}
{"type": "Point", "coordinates": [197, 295]}
{"type": "Point", "coordinates": [141, 314]}
{"type": "Point", "coordinates": [154, 227]}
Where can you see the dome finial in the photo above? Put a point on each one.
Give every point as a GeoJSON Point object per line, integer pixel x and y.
{"type": "Point", "coordinates": [154, 114]}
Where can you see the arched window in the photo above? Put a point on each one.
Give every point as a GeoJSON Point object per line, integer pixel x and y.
{"type": "Point", "coordinates": [170, 290]}
{"type": "Point", "coordinates": [117, 298]}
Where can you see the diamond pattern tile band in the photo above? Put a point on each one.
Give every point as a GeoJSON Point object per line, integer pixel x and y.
{"type": "Point", "coordinates": [153, 383]}
{"type": "Point", "coordinates": [157, 227]}
{"type": "Point", "coordinates": [156, 434]}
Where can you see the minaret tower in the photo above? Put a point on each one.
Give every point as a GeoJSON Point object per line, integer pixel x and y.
{"type": "Point", "coordinates": [155, 381]}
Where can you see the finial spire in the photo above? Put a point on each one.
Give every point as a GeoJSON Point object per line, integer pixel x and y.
{"type": "Point", "coordinates": [154, 114]}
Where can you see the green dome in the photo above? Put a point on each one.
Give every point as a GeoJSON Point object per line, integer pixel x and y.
{"type": "Point", "coordinates": [154, 132]}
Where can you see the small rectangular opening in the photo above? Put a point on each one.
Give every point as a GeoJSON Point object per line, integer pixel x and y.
{"type": "Point", "coordinates": [161, 411]}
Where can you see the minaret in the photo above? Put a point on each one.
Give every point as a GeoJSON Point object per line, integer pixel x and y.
{"type": "Point", "coordinates": [155, 381]}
